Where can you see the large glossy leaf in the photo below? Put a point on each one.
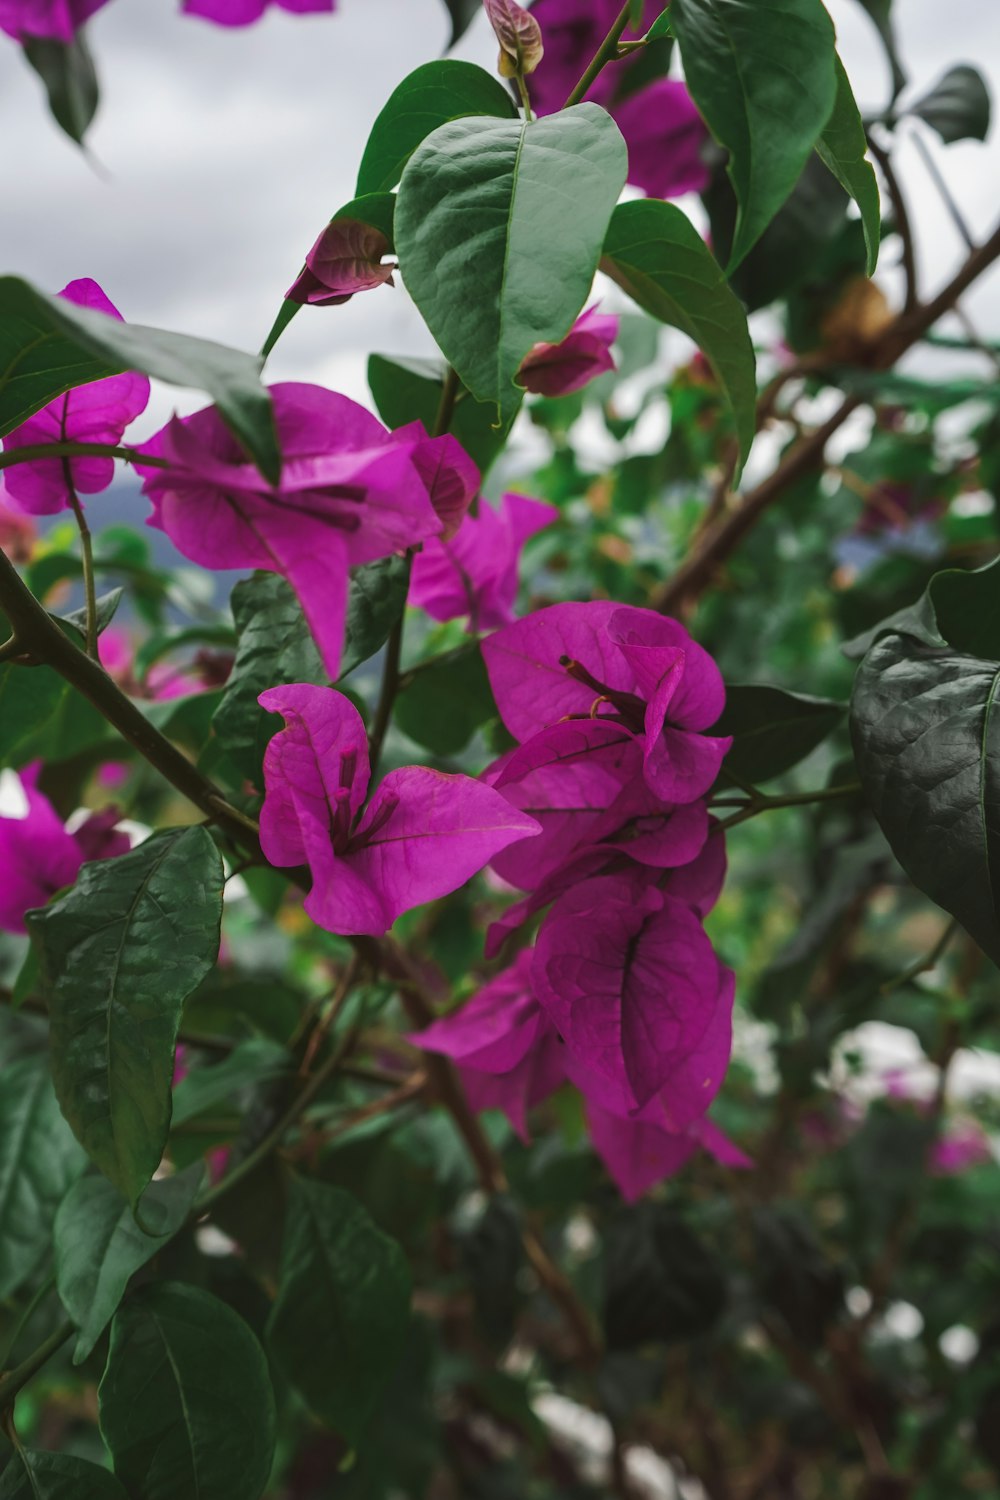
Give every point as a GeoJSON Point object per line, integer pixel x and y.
{"type": "Point", "coordinates": [843, 148]}
{"type": "Point", "coordinates": [773, 730]}
{"type": "Point", "coordinates": [655, 254]}
{"type": "Point", "coordinates": [431, 96]}
{"type": "Point", "coordinates": [57, 1476]}
{"type": "Point", "coordinates": [957, 107]}
{"type": "Point", "coordinates": [338, 1325]}
{"type": "Point", "coordinates": [67, 73]}
{"type": "Point", "coordinates": [499, 229]}
{"type": "Point", "coordinates": [119, 954]}
{"type": "Point", "coordinates": [927, 743]}
{"type": "Point", "coordinates": [186, 1402]}
{"type": "Point", "coordinates": [409, 390]}
{"type": "Point", "coordinates": [99, 1246]}
{"type": "Point", "coordinates": [39, 1162]}
{"type": "Point", "coordinates": [47, 346]}
{"type": "Point", "coordinates": [762, 74]}
{"type": "Point", "coordinates": [375, 603]}
{"type": "Point", "coordinates": [275, 647]}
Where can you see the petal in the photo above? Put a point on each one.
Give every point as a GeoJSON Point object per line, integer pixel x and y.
{"type": "Point", "coordinates": [680, 767]}
{"type": "Point", "coordinates": [698, 700]}
{"type": "Point", "coordinates": [322, 750]}
{"type": "Point", "coordinates": [495, 1030]}
{"type": "Point", "coordinates": [637, 1153]}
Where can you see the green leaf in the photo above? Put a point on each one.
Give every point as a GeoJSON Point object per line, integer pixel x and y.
{"type": "Point", "coordinates": [431, 96]}
{"type": "Point", "coordinates": [107, 608]}
{"type": "Point", "coordinates": [843, 148]}
{"type": "Point", "coordinates": [655, 254]}
{"type": "Point", "coordinates": [957, 107]}
{"type": "Point", "coordinates": [67, 71]}
{"type": "Point", "coordinates": [275, 647]}
{"type": "Point", "coordinates": [773, 730]}
{"type": "Point", "coordinates": [927, 743]}
{"type": "Point", "coordinates": [377, 209]}
{"type": "Point", "coordinates": [186, 1402]}
{"type": "Point", "coordinates": [409, 390]}
{"type": "Point", "coordinates": [99, 1246]}
{"type": "Point", "coordinates": [29, 697]}
{"type": "Point", "coordinates": [375, 603]}
{"type": "Point", "coordinates": [462, 13]}
{"type": "Point", "coordinates": [57, 1476]}
{"type": "Point", "coordinates": [48, 346]}
{"type": "Point", "coordinates": [762, 74]}
{"type": "Point", "coordinates": [39, 1162]}
{"type": "Point", "coordinates": [340, 1319]}
{"type": "Point", "coordinates": [120, 953]}
{"type": "Point", "coordinates": [499, 229]}
{"type": "Point", "coordinates": [661, 1280]}
{"type": "Point", "coordinates": [256, 1061]}
{"type": "Point", "coordinates": [446, 702]}
{"type": "Point", "coordinates": [661, 27]}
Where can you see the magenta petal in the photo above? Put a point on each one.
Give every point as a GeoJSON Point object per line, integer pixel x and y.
{"type": "Point", "coordinates": [451, 478]}
{"type": "Point", "coordinates": [99, 836]}
{"type": "Point", "coordinates": [58, 20]}
{"type": "Point", "coordinates": [712, 1139]}
{"type": "Point", "coordinates": [347, 258]}
{"type": "Point", "coordinates": [475, 573]}
{"type": "Point", "coordinates": [245, 12]}
{"type": "Point", "coordinates": [317, 761]}
{"type": "Point", "coordinates": [699, 884]}
{"type": "Point", "coordinates": [666, 139]}
{"type": "Point", "coordinates": [585, 352]}
{"type": "Point", "coordinates": [680, 767]}
{"type": "Point", "coordinates": [37, 857]}
{"type": "Point", "coordinates": [533, 1079]}
{"type": "Point", "coordinates": [699, 698]}
{"type": "Point", "coordinates": [630, 981]}
{"type": "Point", "coordinates": [494, 1030]}
{"type": "Point", "coordinates": [637, 1153]}
{"type": "Point", "coordinates": [425, 833]}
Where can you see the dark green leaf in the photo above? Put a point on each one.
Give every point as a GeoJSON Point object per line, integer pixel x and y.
{"type": "Point", "coordinates": [275, 647]}
{"type": "Point", "coordinates": [655, 254]}
{"type": "Point", "coordinates": [794, 1275]}
{"type": "Point", "coordinates": [29, 697]}
{"type": "Point", "coordinates": [186, 1402]}
{"type": "Point", "coordinates": [957, 107]}
{"type": "Point", "coordinates": [256, 1061]}
{"type": "Point", "coordinates": [446, 703]}
{"type": "Point", "coordinates": [773, 730]}
{"type": "Point", "coordinates": [661, 1281]}
{"type": "Point", "coordinates": [57, 1476]}
{"type": "Point", "coordinates": [374, 605]}
{"type": "Point", "coordinates": [377, 209]}
{"type": "Point", "coordinates": [120, 953]}
{"type": "Point", "coordinates": [340, 1320]}
{"type": "Point", "coordinates": [48, 346]}
{"type": "Point", "coordinates": [843, 148]}
{"type": "Point", "coordinates": [107, 607]}
{"type": "Point", "coordinates": [463, 13]}
{"type": "Point", "coordinates": [762, 74]}
{"type": "Point", "coordinates": [927, 743]}
{"type": "Point", "coordinates": [499, 229]}
{"type": "Point", "coordinates": [67, 71]}
{"type": "Point", "coordinates": [431, 96]}
{"type": "Point", "coordinates": [493, 1255]}
{"type": "Point", "coordinates": [99, 1246]}
{"type": "Point", "coordinates": [39, 1162]}
{"type": "Point", "coordinates": [661, 27]}
{"type": "Point", "coordinates": [409, 390]}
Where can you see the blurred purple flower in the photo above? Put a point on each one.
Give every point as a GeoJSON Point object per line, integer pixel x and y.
{"type": "Point", "coordinates": [55, 20]}
{"type": "Point", "coordinates": [38, 857]}
{"type": "Point", "coordinates": [350, 492]}
{"type": "Point", "coordinates": [666, 139]}
{"type": "Point", "coordinates": [585, 353]}
{"type": "Point", "coordinates": [421, 836]}
{"type": "Point", "coordinates": [245, 12]}
{"type": "Point", "coordinates": [451, 477]}
{"type": "Point", "coordinates": [639, 1153]}
{"type": "Point", "coordinates": [963, 1145]}
{"type": "Point", "coordinates": [95, 413]}
{"type": "Point", "coordinates": [632, 671]}
{"type": "Point", "coordinates": [347, 258]}
{"type": "Point", "coordinates": [475, 572]}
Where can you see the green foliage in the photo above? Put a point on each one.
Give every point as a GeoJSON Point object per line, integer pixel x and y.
{"type": "Point", "coordinates": [957, 107]}
{"type": "Point", "coordinates": [345, 1289]}
{"type": "Point", "coordinates": [409, 390]}
{"type": "Point", "coordinates": [120, 954]}
{"type": "Point", "coordinates": [70, 82]}
{"type": "Point", "coordinates": [376, 603]}
{"type": "Point", "coordinates": [445, 702]}
{"type": "Point", "coordinates": [186, 1400]}
{"type": "Point", "coordinates": [57, 1476]}
{"type": "Point", "coordinates": [843, 148]}
{"type": "Point", "coordinates": [772, 729]}
{"type": "Point", "coordinates": [768, 120]}
{"type": "Point", "coordinates": [481, 231]}
{"type": "Point", "coordinates": [661, 1281]}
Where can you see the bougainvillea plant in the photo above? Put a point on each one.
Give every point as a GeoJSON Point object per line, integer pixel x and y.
{"type": "Point", "coordinates": [439, 971]}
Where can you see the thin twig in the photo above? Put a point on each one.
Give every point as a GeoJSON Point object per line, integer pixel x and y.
{"type": "Point", "coordinates": [606, 52]}
{"type": "Point", "coordinates": [903, 225]}
{"type": "Point", "coordinates": [32, 452]}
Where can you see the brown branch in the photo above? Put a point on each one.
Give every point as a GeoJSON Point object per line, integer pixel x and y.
{"type": "Point", "coordinates": [717, 544]}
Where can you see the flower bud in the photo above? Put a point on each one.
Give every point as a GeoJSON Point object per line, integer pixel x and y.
{"type": "Point", "coordinates": [519, 35]}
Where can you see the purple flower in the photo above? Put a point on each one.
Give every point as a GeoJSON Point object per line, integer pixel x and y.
{"type": "Point", "coordinates": [94, 413]}
{"type": "Point", "coordinates": [451, 477]}
{"type": "Point", "coordinates": [57, 20]}
{"type": "Point", "coordinates": [38, 857]}
{"type": "Point", "coordinates": [635, 990]}
{"type": "Point", "coordinates": [422, 835]}
{"type": "Point", "coordinates": [245, 12]}
{"type": "Point", "coordinates": [585, 352]}
{"type": "Point", "coordinates": [962, 1146]}
{"type": "Point", "coordinates": [347, 258]}
{"type": "Point", "coordinates": [640, 1153]}
{"type": "Point", "coordinates": [475, 572]}
{"type": "Point", "coordinates": [638, 675]}
{"type": "Point", "coordinates": [509, 1053]}
{"type": "Point", "coordinates": [666, 139]}
{"type": "Point", "coordinates": [583, 783]}
{"type": "Point", "coordinates": [349, 493]}
{"type": "Point", "coordinates": [572, 31]}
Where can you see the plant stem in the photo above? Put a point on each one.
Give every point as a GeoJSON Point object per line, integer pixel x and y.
{"type": "Point", "coordinates": [929, 960]}
{"type": "Point", "coordinates": [17, 1378]}
{"type": "Point", "coordinates": [67, 449]}
{"type": "Point", "coordinates": [36, 1301]}
{"type": "Point", "coordinates": [446, 406]}
{"type": "Point", "coordinates": [903, 225]}
{"type": "Point", "coordinates": [760, 803]}
{"type": "Point", "coordinates": [522, 89]}
{"type": "Point", "coordinates": [87, 554]}
{"type": "Point", "coordinates": [606, 52]}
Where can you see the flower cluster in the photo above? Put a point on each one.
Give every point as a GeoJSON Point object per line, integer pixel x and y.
{"type": "Point", "coordinates": [622, 994]}
{"type": "Point", "coordinates": [60, 20]}
{"type": "Point", "coordinates": [665, 134]}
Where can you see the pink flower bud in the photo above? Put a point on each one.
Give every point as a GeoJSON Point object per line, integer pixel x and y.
{"type": "Point", "coordinates": [347, 258]}
{"type": "Point", "coordinates": [519, 35]}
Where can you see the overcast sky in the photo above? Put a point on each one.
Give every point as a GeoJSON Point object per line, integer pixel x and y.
{"type": "Point", "coordinates": [222, 153]}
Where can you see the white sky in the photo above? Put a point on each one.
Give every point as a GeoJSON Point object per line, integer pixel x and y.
{"type": "Point", "coordinates": [223, 153]}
